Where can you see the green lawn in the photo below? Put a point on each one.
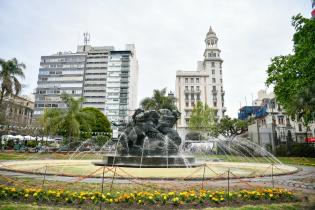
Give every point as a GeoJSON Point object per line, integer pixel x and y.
{"type": "Point", "coordinates": [35, 156]}
{"type": "Point", "coordinates": [5, 205]}
{"type": "Point", "coordinates": [12, 155]}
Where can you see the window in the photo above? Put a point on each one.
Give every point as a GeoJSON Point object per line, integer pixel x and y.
{"type": "Point", "coordinates": [191, 80]}
{"type": "Point", "coordinates": [221, 80]}
{"type": "Point", "coordinates": [192, 103]}
{"type": "Point", "coordinates": [186, 97]}
{"type": "Point", "coordinates": [213, 80]}
{"type": "Point", "coordinates": [215, 104]}
{"type": "Point", "coordinates": [212, 64]}
{"type": "Point", "coordinates": [186, 87]}
{"type": "Point", "coordinates": [197, 80]}
{"type": "Point", "coordinates": [192, 88]}
{"type": "Point", "coordinates": [280, 120]}
{"type": "Point", "coordinates": [198, 97]}
{"type": "Point", "coordinates": [214, 97]}
{"type": "Point", "coordinates": [197, 88]}
{"type": "Point", "coordinates": [187, 104]}
{"type": "Point", "coordinates": [213, 71]}
{"type": "Point", "coordinates": [300, 127]}
{"type": "Point", "coordinates": [186, 80]}
{"type": "Point", "coordinates": [214, 88]}
{"type": "Point", "coordinates": [192, 96]}
{"type": "Point", "coordinates": [221, 72]}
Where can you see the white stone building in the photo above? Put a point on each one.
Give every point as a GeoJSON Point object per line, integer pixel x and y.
{"type": "Point", "coordinates": [272, 125]}
{"type": "Point", "coordinates": [205, 84]}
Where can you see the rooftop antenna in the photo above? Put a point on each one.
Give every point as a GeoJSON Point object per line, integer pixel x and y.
{"type": "Point", "coordinates": [86, 36]}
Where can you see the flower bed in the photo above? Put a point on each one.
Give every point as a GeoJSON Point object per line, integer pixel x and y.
{"type": "Point", "coordinates": [192, 197]}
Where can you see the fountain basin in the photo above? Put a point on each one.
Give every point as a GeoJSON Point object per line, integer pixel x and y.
{"type": "Point", "coordinates": [85, 168]}
{"type": "Point", "coordinates": [149, 161]}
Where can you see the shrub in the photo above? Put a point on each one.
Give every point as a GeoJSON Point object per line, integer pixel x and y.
{"type": "Point", "coordinates": [297, 150]}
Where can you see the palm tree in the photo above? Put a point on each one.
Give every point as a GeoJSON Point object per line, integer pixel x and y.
{"type": "Point", "coordinates": [158, 101]}
{"type": "Point", "coordinates": [9, 73]}
{"type": "Point", "coordinates": [67, 122]}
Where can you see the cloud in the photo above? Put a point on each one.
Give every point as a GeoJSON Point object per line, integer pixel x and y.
{"type": "Point", "coordinates": [169, 35]}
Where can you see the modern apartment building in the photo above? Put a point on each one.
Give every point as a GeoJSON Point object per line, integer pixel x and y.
{"type": "Point", "coordinates": [122, 84]}
{"type": "Point", "coordinates": [205, 84]}
{"type": "Point", "coordinates": [59, 73]}
{"type": "Point", "coordinates": [104, 77]}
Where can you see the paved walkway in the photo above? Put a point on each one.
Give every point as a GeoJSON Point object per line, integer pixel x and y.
{"type": "Point", "coordinates": [302, 180]}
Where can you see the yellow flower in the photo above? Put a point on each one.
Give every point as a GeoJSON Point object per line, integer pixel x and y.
{"type": "Point", "coordinates": [171, 193]}
{"type": "Point", "coordinates": [175, 200]}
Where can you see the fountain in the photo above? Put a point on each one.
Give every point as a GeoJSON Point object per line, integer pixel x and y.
{"type": "Point", "coordinates": [149, 141]}
{"type": "Point", "coordinates": [149, 148]}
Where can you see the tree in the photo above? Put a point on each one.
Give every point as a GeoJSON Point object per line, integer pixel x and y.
{"type": "Point", "coordinates": [9, 73]}
{"type": "Point", "coordinates": [228, 127]}
{"type": "Point", "coordinates": [67, 122]}
{"type": "Point", "coordinates": [293, 75]}
{"type": "Point", "coordinates": [159, 100]}
{"type": "Point", "coordinates": [202, 118]}
{"type": "Point", "coordinates": [100, 124]}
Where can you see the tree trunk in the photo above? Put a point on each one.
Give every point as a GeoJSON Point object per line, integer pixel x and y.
{"type": "Point", "coordinates": [1, 97]}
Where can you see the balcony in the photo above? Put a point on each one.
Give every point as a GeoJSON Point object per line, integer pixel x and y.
{"type": "Point", "coordinates": [222, 92]}
{"type": "Point", "coordinates": [192, 91]}
{"type": "Point", "coordinates": [214, 91]}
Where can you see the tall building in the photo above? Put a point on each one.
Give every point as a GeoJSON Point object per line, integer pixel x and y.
{"type": "Point", "coordinates": [62, 72]}
{"type": "Point", "coordinates": [104, 77]}
{"type": "Point", "coordinates": [205, 84]}
{"type": "Point", "coordinates": [122, 80]}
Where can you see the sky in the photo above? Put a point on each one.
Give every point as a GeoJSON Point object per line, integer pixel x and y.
{"type": "Point", "coordinates": [168, 34]}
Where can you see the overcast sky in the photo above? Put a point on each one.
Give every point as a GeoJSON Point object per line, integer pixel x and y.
{"type": "Point", "coordinates": [168, 34]}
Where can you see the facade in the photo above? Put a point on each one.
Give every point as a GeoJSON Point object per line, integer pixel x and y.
{"type": "Point", "coordinates": [104, 77]}
{"type": "Point", "coordinates": [95, 75]}
{"type": "Point", "coordinates": [18, 110]}
{"type": "Point", "coordinates": [59, 73]}
{"type": "Point", "coordinates": [272, 125]}
{"type": "Point", "coordinates": [122, 84]}
{"type": "Point", "coordinates": [205, 84]}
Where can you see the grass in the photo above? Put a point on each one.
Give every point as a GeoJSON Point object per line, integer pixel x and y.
{"type": "Point", "coordinates": [80, 186]}
{"type": "Point", "coordinates": [287, 160]}
{"type": "Point", "coordinates": [12, 155]}
{"type": "Point", "coordinates": [6, 205]}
